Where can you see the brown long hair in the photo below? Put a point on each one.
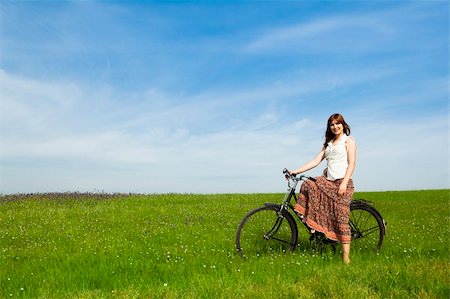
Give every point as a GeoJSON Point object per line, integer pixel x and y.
{"type": "Point", "coordinates": [339, 119]}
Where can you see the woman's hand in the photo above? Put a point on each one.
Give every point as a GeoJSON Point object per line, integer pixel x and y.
{"type": "Point", "coordinates": [342, 188]}
{"type": "Point", "coordinates": [289, 173]}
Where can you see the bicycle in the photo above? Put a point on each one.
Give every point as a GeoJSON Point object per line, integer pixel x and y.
{"type": "Point", "coordinates": [272, 227]}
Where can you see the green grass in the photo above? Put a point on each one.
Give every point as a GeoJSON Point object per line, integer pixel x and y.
{"type": "Point", "coordinates": [182, 246]}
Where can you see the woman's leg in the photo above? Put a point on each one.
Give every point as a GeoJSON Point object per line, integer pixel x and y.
{"type": "Point", "coordinates": [346, 253]}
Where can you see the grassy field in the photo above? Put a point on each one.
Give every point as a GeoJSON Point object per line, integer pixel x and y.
{"type": "Point", "coordinates": [182, 246]}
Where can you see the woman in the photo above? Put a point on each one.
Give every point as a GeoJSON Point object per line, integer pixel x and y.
{"type": "Point", "coordinates": [324, 204]}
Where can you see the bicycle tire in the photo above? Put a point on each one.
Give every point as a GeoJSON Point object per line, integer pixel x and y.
{"type": "Point", "coordinates": [367, 227]}
{"type": "Point", "coordinates": [265, 230]}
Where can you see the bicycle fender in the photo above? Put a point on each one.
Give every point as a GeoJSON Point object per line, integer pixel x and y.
{"type": "Point", "coordinates": [363, 202]}
{"type": "Point", "coordinates": [270, 204]}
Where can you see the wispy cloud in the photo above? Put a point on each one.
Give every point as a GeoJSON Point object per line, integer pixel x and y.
{"type": "Point", "coordinates": [357, 32]}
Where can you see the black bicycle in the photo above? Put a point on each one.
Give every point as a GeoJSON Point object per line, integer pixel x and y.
{"type": "Point", "coordinates": [273, 228]}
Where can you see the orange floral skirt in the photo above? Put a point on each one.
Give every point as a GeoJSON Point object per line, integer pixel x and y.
{"type": "Point", "coordinates": [324, 210]}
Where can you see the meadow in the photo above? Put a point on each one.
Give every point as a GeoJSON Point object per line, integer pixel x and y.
{"type": "Point", "coordinates": [74, 245]}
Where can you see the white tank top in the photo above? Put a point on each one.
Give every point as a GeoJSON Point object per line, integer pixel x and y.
{"type": "Point", "coordinates": [336, 155]}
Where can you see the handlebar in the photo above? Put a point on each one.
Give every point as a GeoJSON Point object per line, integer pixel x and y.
{"type": "Point", "coordinates": [288, 175]}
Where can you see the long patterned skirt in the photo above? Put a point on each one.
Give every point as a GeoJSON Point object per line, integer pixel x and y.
{"type": "Point", "coordinates": [324, 210]}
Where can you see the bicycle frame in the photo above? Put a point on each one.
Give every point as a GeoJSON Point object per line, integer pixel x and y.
{"type": "Point", "coordinates": [286, 204]}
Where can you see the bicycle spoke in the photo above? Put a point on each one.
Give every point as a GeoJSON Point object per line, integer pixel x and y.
{"type": "Point", "coordinates": [283, 241]}
{"type": "Point", "coordinates": [373, 229]}
{"type": "Point", "coordinates": [274, 229]}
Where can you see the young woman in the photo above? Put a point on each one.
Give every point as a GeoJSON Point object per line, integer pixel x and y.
{"type": "Point", "coordinates": [324, 204]}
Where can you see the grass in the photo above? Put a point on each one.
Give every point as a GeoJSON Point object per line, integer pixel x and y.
{"type": "Point", "coordinates": [182, 246]}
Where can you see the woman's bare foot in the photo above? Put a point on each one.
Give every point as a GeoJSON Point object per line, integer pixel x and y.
{"type": "Point", "coordinates": [346, 260]}
{"type": "Point", "coordinates": [346, 253]}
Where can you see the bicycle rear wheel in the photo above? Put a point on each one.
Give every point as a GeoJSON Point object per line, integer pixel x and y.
{"type": "Point", "coordinates": [265, 230]}
{"type": "Point", "coordinates": [367, 227]}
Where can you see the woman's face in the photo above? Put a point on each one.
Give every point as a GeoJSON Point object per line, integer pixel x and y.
{"type": "Point", "coordinates": [336, 127]}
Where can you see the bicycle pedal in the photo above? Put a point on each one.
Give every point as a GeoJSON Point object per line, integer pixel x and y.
{"type": "Point", "coordinates": [317, 236]}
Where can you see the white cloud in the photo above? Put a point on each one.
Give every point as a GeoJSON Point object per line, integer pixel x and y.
{"type": "Point", "coordinates": [152, 146]}
{"type": "Point", "coordinates": [403, 155]}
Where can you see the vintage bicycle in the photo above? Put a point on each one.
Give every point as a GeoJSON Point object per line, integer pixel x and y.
{"type": "Point", "coordinates": [272, 227]}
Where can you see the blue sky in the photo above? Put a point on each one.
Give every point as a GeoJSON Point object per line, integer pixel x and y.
{"type": "Point", "coordinates": [215, 97]}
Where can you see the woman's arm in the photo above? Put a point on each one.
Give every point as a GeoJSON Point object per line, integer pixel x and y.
{"type": "Point", "coordinates": [311, 164]}
{"type": "Point", "coordinates": [351, 157]}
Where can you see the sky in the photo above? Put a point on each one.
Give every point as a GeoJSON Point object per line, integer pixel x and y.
{"type": "Point", "coordinates": [219, 96]}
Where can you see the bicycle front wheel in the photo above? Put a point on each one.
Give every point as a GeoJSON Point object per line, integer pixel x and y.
{"type": "Point", "coordinates": [265, 230]}
{"type": "Point", "coordinates": [367, 227]}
